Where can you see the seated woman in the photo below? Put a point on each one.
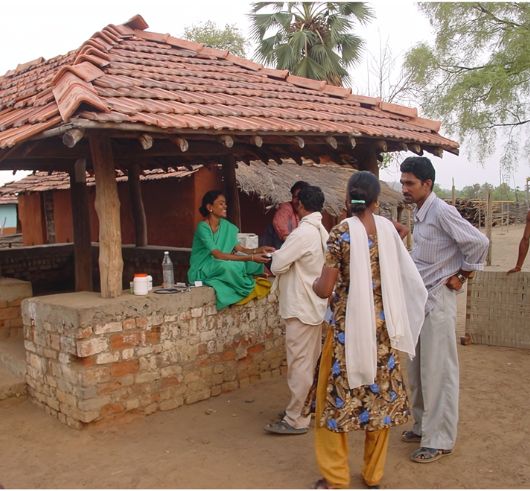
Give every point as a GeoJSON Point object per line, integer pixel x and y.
{"type": "Point", "coordinates": [213, 260]}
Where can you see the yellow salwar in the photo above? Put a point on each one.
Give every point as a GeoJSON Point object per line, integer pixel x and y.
{"type": "Point", "coordinates": [261, 289]}
{"type": "Point", "coordinates": [332, 447]}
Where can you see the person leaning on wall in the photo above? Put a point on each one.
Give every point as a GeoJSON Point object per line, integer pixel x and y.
{"type": "Point", "coordinates": [523, 246]}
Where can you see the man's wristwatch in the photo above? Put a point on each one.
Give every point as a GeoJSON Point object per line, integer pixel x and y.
{"type": "Point", "coordinates": [461, 278]}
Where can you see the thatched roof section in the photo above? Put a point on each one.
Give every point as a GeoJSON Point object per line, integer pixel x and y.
{"type": "Point", "coordinates": [272, 183]}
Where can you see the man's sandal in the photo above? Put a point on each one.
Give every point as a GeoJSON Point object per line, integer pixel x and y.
{"type": "Point", "coordinates": [282, 427]}
{"type": "Point", "coordinates": [410, 437]}
{"type": "Point", "coordinates": [321, 484]}
{"type": "Point", "coordinates": [424, 455]}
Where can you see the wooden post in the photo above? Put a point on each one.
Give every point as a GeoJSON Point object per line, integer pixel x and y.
{"type": "Point", "coordinates": [137, 205]}
{"type": "Point", "coordinates": [409, 225]}
{"type": "Point", "coordinates": [366, 158]}
{"type": "Point", "coordinates": [453, 193]}
{"type": "Point", "coordinates": [232, 195]}
{"type": "Point", "coordinates": [489, 217]}
{"type": "Point", "coordinates": [108, 210]}
{"type": "Point", "coordinates": [81, 227]}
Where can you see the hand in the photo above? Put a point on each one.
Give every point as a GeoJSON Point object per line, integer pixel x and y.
{"type": "Point", "coordinates": [264, 249]}
{"type": "Point", "coordinates": [260, 257]}
{"type": "Point", "coordinates": [454, 283]}
{"type": "Point", "coordinates": [515, 270]}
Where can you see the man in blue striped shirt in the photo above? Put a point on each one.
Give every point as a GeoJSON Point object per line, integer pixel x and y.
{"type": "Point", "coordinates": [446, 250]}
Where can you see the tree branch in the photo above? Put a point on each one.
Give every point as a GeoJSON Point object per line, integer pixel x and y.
{"type": "Point", "coordinates": [494, 17]}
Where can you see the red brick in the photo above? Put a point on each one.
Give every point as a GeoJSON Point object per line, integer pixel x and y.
{"type": "Point", "coordinates": [112, 408]}
{"type": "Point", "coordinates": [152, 337]}
{"type": "Point", "coordinates": [258, 348]}
{"type": "Point", "coordinates": [124, 368]}
{"type": "Point", "coordinates": [122, 341]}
{"type": "Point", "coordinates": [9, 313]}
{"type": "Point", "coordinates": [169, 382]}
{"type": "Point", "coordinates": [229, 355]}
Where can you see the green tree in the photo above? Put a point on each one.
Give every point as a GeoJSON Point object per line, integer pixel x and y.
{"type": "Point", "coordinates": [310, 39]}
{"type": "Point", "coordinates": [476, 77]}
{"type": "Point", "coordinates": [208, 33]}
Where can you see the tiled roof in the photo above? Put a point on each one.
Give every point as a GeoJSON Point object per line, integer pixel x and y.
{"type": "Point", "coordinates": [44, 181]}
{"type": "Point", "coordinates": [126, 75]}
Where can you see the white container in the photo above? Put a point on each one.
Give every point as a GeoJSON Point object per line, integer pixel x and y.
{"type": "Point", "coordinates": [149, 282]}
{"type": "Point", "coordinates": [249, 241]}
{"type": "Point", "coordinates": [140, 284]}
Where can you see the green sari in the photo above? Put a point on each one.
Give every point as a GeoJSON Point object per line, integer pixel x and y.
{"type": "Point", "coordinates": [231, 280]}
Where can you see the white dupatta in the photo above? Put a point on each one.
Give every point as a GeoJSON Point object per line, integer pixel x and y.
{"type": "Point", "coordinates": [404, 298]}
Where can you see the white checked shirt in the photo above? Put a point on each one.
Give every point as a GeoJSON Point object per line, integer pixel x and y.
{"type": "Point", "coordinates": [444, 242]}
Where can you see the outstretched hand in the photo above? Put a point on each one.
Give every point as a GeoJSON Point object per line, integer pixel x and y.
{"type": "Point", "coordinates": [265, 249]}
{"type": "Point", "coordinates": [514, 270]}
{"type": "Point", "coordinates": [261, 257]}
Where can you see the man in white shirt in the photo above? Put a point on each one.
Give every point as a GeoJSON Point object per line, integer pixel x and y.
{"type": "Point", "coordinates": [296, 265]}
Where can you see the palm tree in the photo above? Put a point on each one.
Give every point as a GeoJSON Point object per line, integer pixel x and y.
{"type": "Point", "coordinates": [310, 39]}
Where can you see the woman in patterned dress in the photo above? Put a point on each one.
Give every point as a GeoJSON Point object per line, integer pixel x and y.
{"type": "Point", "coordinates": [360, 385]}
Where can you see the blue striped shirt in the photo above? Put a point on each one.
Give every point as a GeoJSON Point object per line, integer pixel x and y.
{"type": "Point", "coordinates": [444, 243]}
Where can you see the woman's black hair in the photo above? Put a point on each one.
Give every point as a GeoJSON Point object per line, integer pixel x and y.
{"type": "Point", "coordinates": [363, 189]}
{"type": "Point", "coordinates": [208, 199]}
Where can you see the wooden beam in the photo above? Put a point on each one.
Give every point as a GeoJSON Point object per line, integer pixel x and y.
{"type": "Point", "coordinates": [137, 206]}
{"type": "Point", "coordinates": [81, 227]}
{"type": "Point", "coordinates": [332, 142]}
{"type": "Point", "coordinates": [404, 147]}
{"type": "Point", "coordinates": [232, 195]}
{"type": "Point", "coordinates": [299, 141]}
{"type": "Point", "coordinates": [108, 210]}
{"type": "Point", "coordinates": [146, 141]}
{"type": "Point", "coordinates": [438, 151]}
{"type": "Point", "coordinates": [353, 143]}
{"type": "Point", "coordinates": [227, 141]}
{"type": "Point", "coordinates": [415, 148]}
{"type": "Point", "coordinates": [182, 143]}
{"type": "Point", "coordinates": [71, 137]}
{"type": "Point", "coordinates": [257, 140]}
{"type": "Point", "coordinates": [381, 145]}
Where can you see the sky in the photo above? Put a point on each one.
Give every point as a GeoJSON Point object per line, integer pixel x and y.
{"type": "Point", "coordinates": [30, 29]}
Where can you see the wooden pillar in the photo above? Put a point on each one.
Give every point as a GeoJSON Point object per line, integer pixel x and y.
{"type": "Point", "coordinates": [489, 222]}
{"type": "Point", "coordinates": [409, 225]}
{"type": "Point", "coordinates": [108, 210]}
{"type": "Point", "coordinates": [232, 195]}
{"type": "Point", "coordinates": [366, 156]}
{"type": "Point", "coordinates": [137, 205]}
{"type": "Point", "coordinates": [81, 227]}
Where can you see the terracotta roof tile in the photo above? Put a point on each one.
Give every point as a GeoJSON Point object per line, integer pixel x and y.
{"type": "Point", "coordinates": [124, 74]}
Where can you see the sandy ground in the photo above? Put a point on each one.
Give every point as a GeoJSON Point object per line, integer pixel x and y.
{"type": "Point", "coordinates": [220, 443]}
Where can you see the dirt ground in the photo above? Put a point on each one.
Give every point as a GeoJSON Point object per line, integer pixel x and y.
{"type": "Point", "coordinates": [220, 443]}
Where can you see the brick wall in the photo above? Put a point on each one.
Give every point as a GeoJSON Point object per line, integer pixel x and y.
{"type": "Point", "coordinates": [91, 358]}
{"type": "Point", "coordinates": [50, 268]}
{"type": "Point", "coordinates": [12, 292]}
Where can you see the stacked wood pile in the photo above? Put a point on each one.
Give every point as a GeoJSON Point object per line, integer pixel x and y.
{"type": "Point", "coordinates": [474, 211]}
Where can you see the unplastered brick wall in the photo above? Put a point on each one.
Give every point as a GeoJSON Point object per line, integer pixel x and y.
{"type": "Point", "coordinates": [12, 292]}
{"type": "Point", "coordinates": [91, 359]}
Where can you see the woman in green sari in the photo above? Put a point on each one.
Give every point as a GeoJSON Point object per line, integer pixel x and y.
{"type": "Point", "coordinates": [213, 260]}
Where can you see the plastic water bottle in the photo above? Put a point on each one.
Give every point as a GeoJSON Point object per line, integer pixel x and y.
{"type": "Point", "coordinates": [168, 279]}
